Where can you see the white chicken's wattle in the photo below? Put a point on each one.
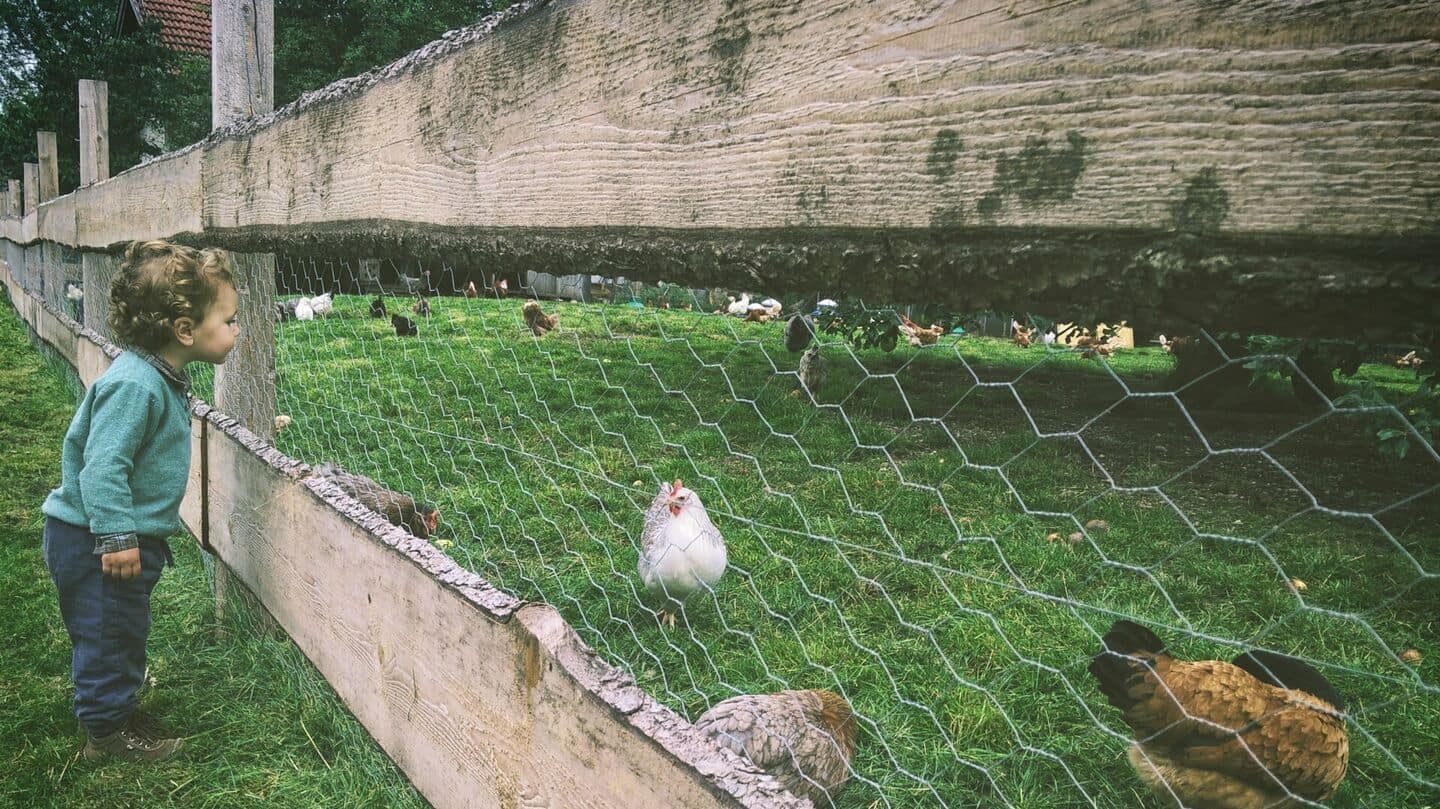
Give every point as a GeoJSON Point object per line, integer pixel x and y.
{"type": "Point", "coordinates": [681, 550]}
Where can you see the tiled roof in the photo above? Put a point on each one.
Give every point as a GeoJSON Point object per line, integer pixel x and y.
{"type": "Point", "coordinates": [184, 24]}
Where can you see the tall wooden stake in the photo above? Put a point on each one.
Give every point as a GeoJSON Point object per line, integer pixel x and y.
{"type": "Point", "coordinates": [242, 71]}
{"type": "Point", "coordinates": [49, 165]}
{"type": "Point", "coordinates": [94, 131]}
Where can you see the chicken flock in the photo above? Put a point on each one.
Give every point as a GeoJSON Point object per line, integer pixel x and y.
{"type": "Point", "coordinates": [1262, 730]}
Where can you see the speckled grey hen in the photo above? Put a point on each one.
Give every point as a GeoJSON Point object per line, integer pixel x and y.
{"type": "Point", "coordinates": [806, 739]}
{"type": "Point", "coordinates": [812, 370]}
{"type": "Point", "coordinates": [420, 519]}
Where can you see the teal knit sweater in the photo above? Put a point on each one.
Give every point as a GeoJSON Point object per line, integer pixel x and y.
{"type": "Point", "coordinates": [126, 457]}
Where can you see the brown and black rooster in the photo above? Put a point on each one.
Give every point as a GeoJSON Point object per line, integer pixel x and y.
{"type": "Point", "coordinates": [1263, 730]}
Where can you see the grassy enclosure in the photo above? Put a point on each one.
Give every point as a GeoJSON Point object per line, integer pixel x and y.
{"type": "Point", "coordinates": [941, 534]}
{"type": "Point", "coordinates": [907, 539]}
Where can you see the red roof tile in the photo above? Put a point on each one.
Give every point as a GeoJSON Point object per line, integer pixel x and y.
{"type": "Point", "coordinates": [184, 24]}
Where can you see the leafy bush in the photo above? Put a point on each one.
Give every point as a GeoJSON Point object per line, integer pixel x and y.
{"type": "Point", "coordinates": [861, 327]}
{"type": "Point", "coordinates": [1317, 360]}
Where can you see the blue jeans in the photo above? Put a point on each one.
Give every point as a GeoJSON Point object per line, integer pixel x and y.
{"type": "Point", "coordinates": [108, 621]}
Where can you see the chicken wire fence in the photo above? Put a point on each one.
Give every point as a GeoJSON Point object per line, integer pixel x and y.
{"type": "Point", "coordinates": [939, 529]}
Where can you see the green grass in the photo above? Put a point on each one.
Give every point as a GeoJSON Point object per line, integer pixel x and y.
{"type": "Point", "coordinates": [263, 726]}
{"type": "Point", "coordinates": [891, 543]}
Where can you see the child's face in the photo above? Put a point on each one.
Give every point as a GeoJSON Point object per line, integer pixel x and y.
{"type": "Point", "coordinates": [216, 334]}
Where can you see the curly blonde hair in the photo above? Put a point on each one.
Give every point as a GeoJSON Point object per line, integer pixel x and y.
{"type": "Point", "coordinates": [158, 284]}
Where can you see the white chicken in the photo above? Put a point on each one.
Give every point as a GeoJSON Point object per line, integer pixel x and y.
{"type": "Point", "coordinates": [75, 293]}
{"type": "Point", "coordinates": [303, 310]}
{"type": "Point", "coordinates": [322, 304]}
{"type": "Point", "coordinates": [739, 308]}
{"type": "Point", "coordinates": [681, 550]}
{"type": "Point", "coordinates": [772, 306]}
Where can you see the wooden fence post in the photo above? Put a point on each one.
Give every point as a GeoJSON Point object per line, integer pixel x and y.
{"type": "Point", "coordinates": [15, 195]}
{"type": "Point", "coordinates": [96, 272]}
{"type": "Point", "coordinates": [94, 131]}
{"type": "Point", "coordinates": [48, 273]}
{"type": "Point", "coordinates": [45, 147]}
{"type": "Point", "coordinates": [30, 271]}
{"type": "Point", "coordinates": [34, 269]}
{"type": "Point", "coordinates": [52, 274]}
{"type": "Point", "coordinates": [242, 84]}
{"type": "Point", "coordinates": [32, 188]}
{"type": "Point", "coordinates": [242, 58]}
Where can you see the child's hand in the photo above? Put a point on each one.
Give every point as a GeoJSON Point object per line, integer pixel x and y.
{"type": "Point", "coordinates": [123, 565]}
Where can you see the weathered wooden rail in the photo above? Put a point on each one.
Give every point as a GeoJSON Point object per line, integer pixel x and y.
{"type": "Point", "coordinates": [1271, 166]}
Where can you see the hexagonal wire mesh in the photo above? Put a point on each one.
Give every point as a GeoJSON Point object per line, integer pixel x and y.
{"type": "Point", "coordinates": [940, 533]}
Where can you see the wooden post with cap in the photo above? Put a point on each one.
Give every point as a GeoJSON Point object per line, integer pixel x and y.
{"type": "Point", "coordinates": [242, 70]}
{"type": "Point", "coordinates": [94, 131]}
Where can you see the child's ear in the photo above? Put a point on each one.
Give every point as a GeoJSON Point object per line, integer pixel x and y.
{"type": "Point", "coordinates": [184, 331]}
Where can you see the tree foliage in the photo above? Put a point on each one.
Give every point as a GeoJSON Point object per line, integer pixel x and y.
{"type": "Point", "coordinates": [1318, 360]}
{"type": "Point", "coordinates": [49, 45]}
{"type": "Point", "coordinates": [320, 41]}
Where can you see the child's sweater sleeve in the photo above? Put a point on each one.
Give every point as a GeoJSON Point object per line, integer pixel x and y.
{"type": "Point", "coordinates": [119, 423]}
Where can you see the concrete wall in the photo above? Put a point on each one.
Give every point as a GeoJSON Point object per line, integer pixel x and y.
{"type": "Point", "coordinates": [481, 699]}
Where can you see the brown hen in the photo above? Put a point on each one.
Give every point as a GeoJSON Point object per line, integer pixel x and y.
{"type": "Point", "coordinates": [1022, 335]}
{"type": "Point", "coordinates": [536, 320]}
{"type": "Point", "coordinates": [916, 335]}
{"type": "Point", "coordinates": [420, 519]}
{"type": "Point", "coordinates": [804, 738]}
{"type": "Point", "coordinates": [1263, 730]}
